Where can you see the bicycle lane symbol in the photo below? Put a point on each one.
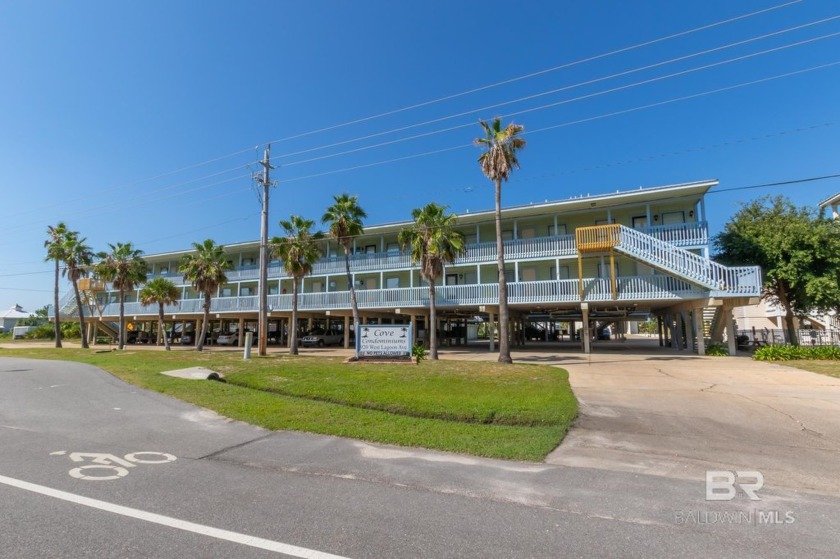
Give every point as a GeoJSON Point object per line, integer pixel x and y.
{"type": "Point", "coordinates": [107, 467]}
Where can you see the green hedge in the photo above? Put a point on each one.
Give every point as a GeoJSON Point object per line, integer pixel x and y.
{"type": "Point", "coordinates": [46, 331]}
{"type": "Point", "coordinates": [792, 352]}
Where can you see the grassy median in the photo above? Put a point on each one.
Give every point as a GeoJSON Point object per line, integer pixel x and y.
{"type": "Point", "coordinates": [518, 412]}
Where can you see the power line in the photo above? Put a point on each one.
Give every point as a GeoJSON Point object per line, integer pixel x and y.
{"type": "Point", "coordinates": [457, 95]}
{"type": "Point", "coordinates": [571, 100]}
{"type": "Point", "coordinates": [544, 93]}
{"type": "Point", "coordinates": [571, 123]}
{"type": "Point", "coordinates": [540, 72]}
{"type": "Point", "coordinates": [30, 290]}
{"type": "Point", "coordinates": [118, 204]}
{"type": "Point", "coordinates": [717, 145]}
{"type": "Point", "coordinates": [780, 183]}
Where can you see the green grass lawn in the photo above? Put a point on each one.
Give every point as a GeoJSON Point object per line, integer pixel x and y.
{"type": "Point", "coordinates": [830, 368]}
{"type": "Point", "coordinates": [516, 412]}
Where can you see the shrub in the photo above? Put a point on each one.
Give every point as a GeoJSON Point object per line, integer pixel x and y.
{"type": "Point", "coordinates": [791, 352]}
{"type": "Point", "coordinates": [717, 350]}
{"type": "Point", "coordinates": [42, 332]}
{"type": "Point", "coordinates": [69, 330]}
{"type": "Point", "coordinates": [418, 351]}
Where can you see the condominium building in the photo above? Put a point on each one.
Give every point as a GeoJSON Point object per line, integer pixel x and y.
{"type": "Point", "coordinates": [584, 263]}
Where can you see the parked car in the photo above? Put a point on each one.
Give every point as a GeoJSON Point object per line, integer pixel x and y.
{"type": "Point", "coordinates": [228, 338]}
{"type": "Point", "coordinates": [138, 337]}
{"type": "Point", "coordinates": [232, 338]}
{"type": "Point", "coordinates": [322, 338]}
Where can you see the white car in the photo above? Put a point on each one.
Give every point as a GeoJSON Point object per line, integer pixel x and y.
{"type": "Point", "coordinates": [228, 338]}
{"type": "Point", "coordinates": [232, 338]}
{"type": "Point", "coordinates": [320, 338]}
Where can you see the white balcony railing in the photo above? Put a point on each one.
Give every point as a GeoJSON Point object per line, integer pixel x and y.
{"type": "Point", "coordinates": [634, 288]}
{"type": "Point", "coordinates": [680, 235]}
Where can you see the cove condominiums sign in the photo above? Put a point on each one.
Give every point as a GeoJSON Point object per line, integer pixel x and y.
{"type": "Point", "coordinates": [376, 340]}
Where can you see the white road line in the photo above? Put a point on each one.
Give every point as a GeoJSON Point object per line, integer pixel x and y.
{"type": "Point", "coordinates": [234, 537]}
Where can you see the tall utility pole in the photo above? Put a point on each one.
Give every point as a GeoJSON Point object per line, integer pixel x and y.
{"type": "Point", "coordinates": [265, 181]}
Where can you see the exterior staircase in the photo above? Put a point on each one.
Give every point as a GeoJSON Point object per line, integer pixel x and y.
{"type": "Point", "coordinates": [668, 258]}
{"type": "Point", "coordinates": [111, 329]}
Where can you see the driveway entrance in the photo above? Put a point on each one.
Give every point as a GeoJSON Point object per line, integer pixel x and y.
{"type": "Point", "coordinates": [678, 416]}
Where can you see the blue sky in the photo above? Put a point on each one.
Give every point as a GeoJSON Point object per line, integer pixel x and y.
{"type": "Point", "coordinates": [142, 121]}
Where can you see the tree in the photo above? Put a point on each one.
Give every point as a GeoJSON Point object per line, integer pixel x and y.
{"type": "Point", "coordinates": [345, 221]}
{"type": "Point", "coordinates": [125, 268]}
{"type": "Point", "coordinates": [55, 252]}
{"type": "Point", "coordinates": [797, 249]}
{"type": "Point", "coordinates": [78, 258]}
{"type": "Point", "coordinates": [434, 242]}
{"type": "Point", "coordinates": [497, 162]}
{"type": "Point", "coordinates": [298, 250]}
{"type": "Point", "coordinates": [205, 270]}
{"type": "Point", "coordinates": [163, 292]}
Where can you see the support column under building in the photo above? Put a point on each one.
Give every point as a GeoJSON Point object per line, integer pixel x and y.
{"type": "Point", "coordinates": [731, 342]}
{"type": "Point", "coordinates": [698, 329]}
{"type": "Point", "coordinates": [585, 333]}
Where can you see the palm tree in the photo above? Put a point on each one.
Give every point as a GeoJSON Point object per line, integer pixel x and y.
{"type": "Point", "coordinates": [55, 252]}
{"type": "Point", "coordinates": [77, 260]}
{"type": "Point", "coordinates": [163, 292]}
{"type": "Point", "coordinates": [125, 269]}
{"type": "Point", "coordinates": [434, 242]}
{"type": "Point", "coordinates": [497, 162]}
{"type": "Point", "coordinates": [205, 270]}
{"type": "Point", "coordinates": [345, 218]}
{"type": "Point", "coordinates": [298, 250]}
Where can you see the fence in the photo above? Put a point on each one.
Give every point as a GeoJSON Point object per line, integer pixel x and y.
{"type": "Point", "coordinates": [758, 337]}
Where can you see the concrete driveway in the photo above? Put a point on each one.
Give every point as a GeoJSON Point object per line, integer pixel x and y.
{"type": "Point", "coordinates": [656, 411]}
{"type": "Point", "coordinates": [678, 416]}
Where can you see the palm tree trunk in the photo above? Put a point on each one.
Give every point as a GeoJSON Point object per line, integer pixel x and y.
{"type": "Point", "coordinates": [433, 350]}
{"type": "Point", "coordinates": [81, 313]}
{"type": "Point", "coordinates": [504, 314]}
{"type": "Point", "coordinates": [200, 345]}
{"type": "Point", "coordinates": [162, 328]}
{"type": "Point", "coordinates": [57, 322]}
{"type": "Point", "coordinates": [122, 320]}
{"type": "Point", "coordinates": [353, 302]}
{"type": "Point", "coordinates": [293, 337]}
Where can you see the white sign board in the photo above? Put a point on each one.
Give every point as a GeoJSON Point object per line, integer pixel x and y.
{"type": "Point", "coordinates": [391, 340]}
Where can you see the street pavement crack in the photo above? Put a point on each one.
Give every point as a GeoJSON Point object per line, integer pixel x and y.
{"type": "Point", "coordinates": [801, 425]}
{"type": "Point", "coordinates": [233, 447]}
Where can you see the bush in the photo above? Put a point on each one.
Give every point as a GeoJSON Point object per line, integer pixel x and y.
{"type": "Point", "coordinates": [717, 350]}
{"type": "Point", "coordinates": [69, 330]}
{"type": "Point", "coordinates": [418, 351]}
{"type": "Point", "coordinates": [792, 352]}
{"type": "Point", "coordinates": [42, 332]}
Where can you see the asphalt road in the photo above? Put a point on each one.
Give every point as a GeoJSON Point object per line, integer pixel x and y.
{"type": "Point", "coordinates": [238, 491]}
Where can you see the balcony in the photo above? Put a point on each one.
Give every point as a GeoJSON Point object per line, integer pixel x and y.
{"type": "Point", "coordinates": [746, 282]}
{"type": "Point", "coordinates": [681, 235]}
